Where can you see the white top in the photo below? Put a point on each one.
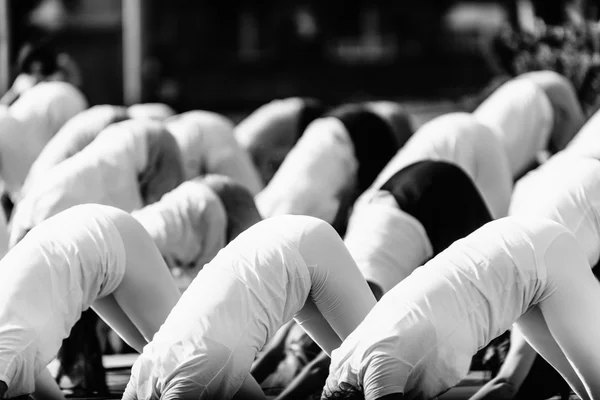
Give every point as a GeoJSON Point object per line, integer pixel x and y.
{"type": "Point", "coordinates": [270, 125]}
{"type": "Point", "coordinates": [47, 281]}
{"type": "Point", "coordinates": [585, 142]}
{"type": "Point", "coordinates": [207, 145]}
{"type": "Point", "coordinates": [105, 172]}
{"type": "Point", "coordinates": [73, 137]}
{"type": "Point", "coordinates": [386, 243]}
{"type": "Point", "coordinates": [157, 111]}
{"type": "Point", "coordinates": [566, 189]}
{"type": "Point", "coordinates": [41, 111]}
{"type": "Point", "coordinates": [420, 338]}
{"type": "Point", "coordinates": [314, 176]}
{"type": "Point", "coordinates": [14, 162]}
{"type": "Point", "coordinates": [521, 115]}
{"type": "Point", "coordinates": [188, 226]}
{"type": "Point", "coordinates": [257, 283]}
{"type": "Point", "coordinates": [457, 138]}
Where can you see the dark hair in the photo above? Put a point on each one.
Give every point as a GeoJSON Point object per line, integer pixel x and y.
{"type": "Point", "coordinates": [374, 141]}
{"type": "Point", "coordinates": [418, 189]}
{"type": "Point", "coordinates": [311, 110]}
{"type": "Point", "coordinates": [238, 202]}
{"type": "Point", "coordinates": [42, 53]}
{"type": "Point", "coordinates": [344, 392]}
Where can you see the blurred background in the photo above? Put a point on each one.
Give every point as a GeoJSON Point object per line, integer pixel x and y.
{"type": "Point", "coordinates": [232, 55]}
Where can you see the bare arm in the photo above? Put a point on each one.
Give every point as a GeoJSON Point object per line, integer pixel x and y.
{"type": "Point", "coordinates": [310, 380]}
{"type": "Point", "coordinates": [272, 356]}
{"type": "Point", "coordinates": [46, 387]}
{"type": "Point", "coordinates": [250, 390]}
{"type": "Point", "coordinates": [514, 371]}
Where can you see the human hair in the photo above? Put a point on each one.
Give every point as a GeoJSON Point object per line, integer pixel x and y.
{"type": "Point", "coordinates": [238, 202]}
{"type": "Point", "coordinates": [344, 392]}
{"type": "Point", "coordinates": [42, 53]}
{"type": "Point", "coordinates": [312, 109]}
{"type": "Point", "coordinates": [394, 114]}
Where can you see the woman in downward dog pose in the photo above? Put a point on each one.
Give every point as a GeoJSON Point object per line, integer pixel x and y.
{"type": "Point", "coordinates": [433, 202]}
{"type": "Point", "coordinates": [129, 165]}
{"type": "Point", "coordinates": [208, 146]}
{"type": "Point", "coordinates": [568, 115]}
{"type": "Point", "coordinates": [418, 213]}
{"type": "Point", "coordinates": [41, 111]}
{"type": "Point", "coordinates": [337, 157]}
{"type": "Point", "coordinates": [281, 268]}
{"type": "Point", "coordinates": [269, 132]}
{"type": "Point", "coordinates": [157, 111]}
{"type": "Point", "coordinates": [89, 255]}
{"type": "Point", "coordinates": [457, 138]}
{"type": "Point", "coordinates": [531, 114]}
{"type": "Point", "coordinates": [73, 137]}
{"type": "Point", "coordinates": [565, 189]}
{"type": "Point", "coordinates": [191, 223]}
{"type": "Point", "coordinates": [418, 340]}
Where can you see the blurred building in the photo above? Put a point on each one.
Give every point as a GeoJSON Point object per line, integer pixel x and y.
{"type": "Point", "coordinates": [236, 54]}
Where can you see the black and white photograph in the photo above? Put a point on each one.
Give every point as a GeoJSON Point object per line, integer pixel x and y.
{"type": "Point", "coordinates": [300, 200]}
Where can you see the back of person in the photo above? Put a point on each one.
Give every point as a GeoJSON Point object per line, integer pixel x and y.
{"type": "Point", "coordinates": [41, 112]}
{"type": "Point", "coordinates": [197, 352]}
{"type": "Point", "coordinates": [61, 266]}
{"type": "Point", "coordinates": [565, 189]}
{"type": "Point", "coordinates": [73, 137]}
{"type": "Point", "coordinates": [188, 226]}
{"type": "Point", "coordinates": [46, 107]}
{"type": "Point", "coordinates": [420, 338]}
{"type": "Point", "coordinates": [102, 173]}
{"type": "Point", "coordinates": [459, 139]}
{"type": "Point", "coordinates": [522, 117]}
{"type": "Point", "coordinates": [314, 176]}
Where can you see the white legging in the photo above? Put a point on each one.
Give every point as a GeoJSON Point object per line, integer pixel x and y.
{"type": "Point", "coordinates": [565, 326]}
{"type": "Point", "coordinates": [157, 111]}
{"type": "Point", "coordinates": [566, 190]}
{"type": "Point", "coordinates": [339, 295]}
{"type": "Point", "coordinates": [585, 142]}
